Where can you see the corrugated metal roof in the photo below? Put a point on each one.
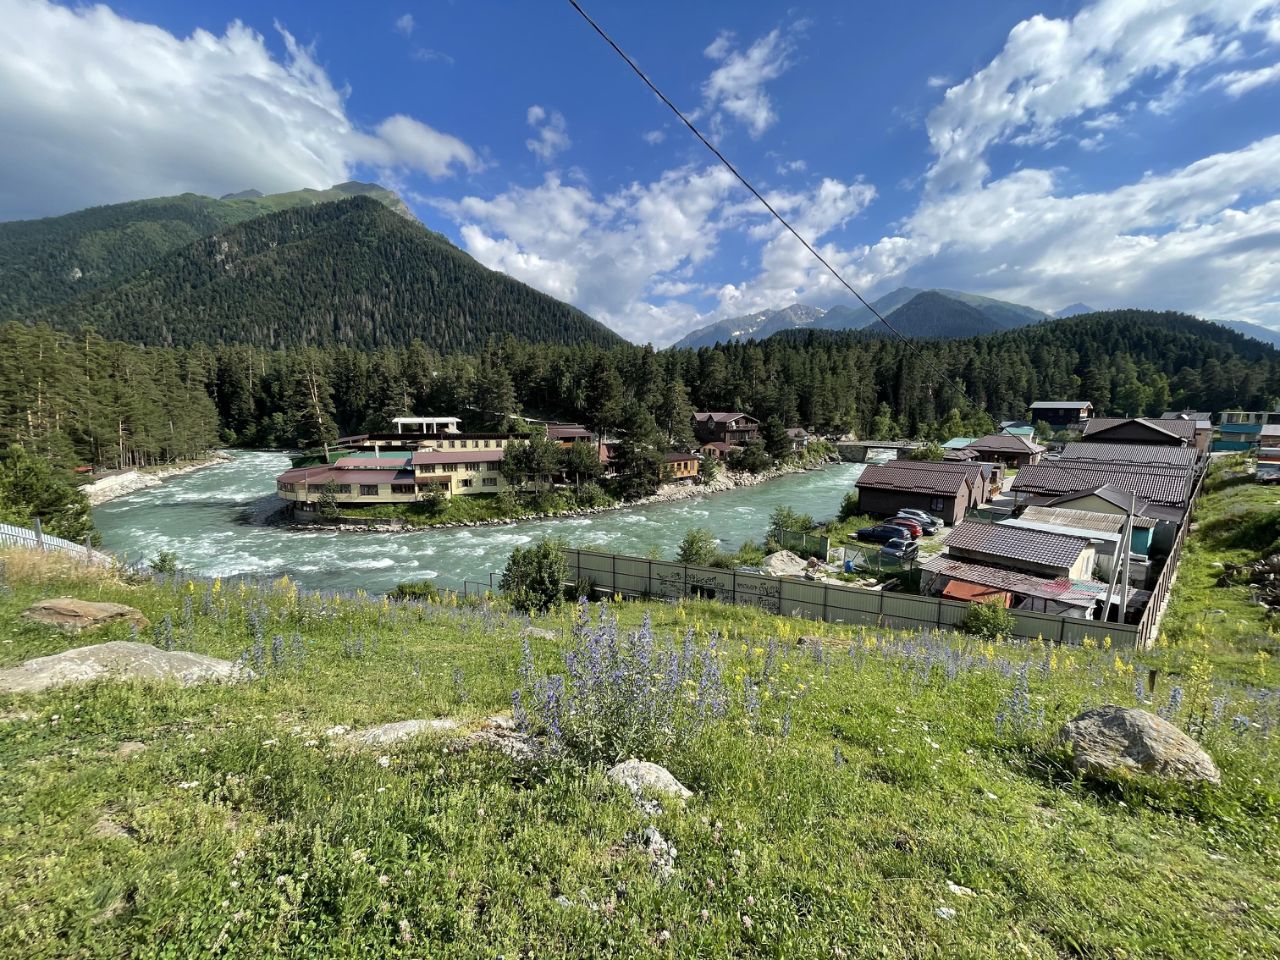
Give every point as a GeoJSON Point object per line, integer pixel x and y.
{"type": "Point", "coordinates": [1131, 453]}
{"type": "Point", "coordinates": [1182, 429]}
{"type": "Point", "coordinates": [1080, 519]}
{"type": "Point", "coordinates": [372, 463]}
{"type": "Point", "coordinates": [717, 416]}
{"type": "Point", "coordinates": [955, 443]}
{"type": "Point", "coordinates": [1017, 543]}
{"type": "Point", "coordinates": [904, 478]}
{"type": "Point", "coordinates": [975, 592]}
{"type": "Point", "coordinates": [1075, 593]}
{"type": "Point", "coordinates": [1005, 443]}
{"type": "Point", "coordinates": [449, 457]}
{"type": "Point", "coordinates": [1073, 476]}
{"type": "Point", "coordinates": [1060, 405]}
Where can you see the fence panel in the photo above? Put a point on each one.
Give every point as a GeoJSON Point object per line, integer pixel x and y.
{"type": "Point", "coordinates": [24, 539]}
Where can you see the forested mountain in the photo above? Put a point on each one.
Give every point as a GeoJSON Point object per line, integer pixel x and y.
{"type": "Point", "coordinates": [1254, 330]}
{"type": "Point", "coordinates": [77, 396]}
{"type": "Point", "coordinates": [349, 272]}
{"type": "Point", "coordinates": [50, 261]}
{"type": "Point", "coordinates": [941, 313]}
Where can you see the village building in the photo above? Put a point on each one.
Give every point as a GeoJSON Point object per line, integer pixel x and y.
{"type": "Point", "coordinates": [717, 450]}
{"type": "Point", "coordinates": [799, 437]}
{"type": "Point", "coordinates": [957, 580]}
{"type": "Point", "coordinates": [1105, 532]}
{"type": "Point", "coordinates": [1010, 450]}
{"type": "Point", "coordinates": [567, 433]}
{"type": "Point", "coordinates": [681, 466]}
{"type": "Point", "coordinates": [1085, 451]}
{"type": "Point", "coordinates": [1061, 414]}
{"type": "Point", "coordinates": [884, 489]}
{"type": "Point", "coordinates": [1240, 430]}
{"type": "Point", "coordinates": [1037, 552]}
{"type": "Point", "coordinates": [735, 429]}
{"type": "Point", "coordinates": [425, 425]}
{"type": "Point", "coordinates": [1158, 484]}
{"type": "Point", "coordinates": [1156, 433]}
{"type": "Point", "coordinates": [1204, 426]}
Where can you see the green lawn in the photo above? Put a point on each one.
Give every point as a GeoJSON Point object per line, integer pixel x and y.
{"type": "Point", "coordinates": [840, 818]}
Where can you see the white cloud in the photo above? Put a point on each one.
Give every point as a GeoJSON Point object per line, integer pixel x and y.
{"type": "Point", "coordinates": [552, 136]}
{"type": "Point", "coordinates": [736, 87]}
{"type": "Point", "coordinates": [937, 82]}
{"type": "Point", "coordinates": [792, 166]}
{"type": "Point", "coordinates": [654, 137]}
{"type": "Point", "coordinates": [1054, 71]}
{"type": "Point", "coordinates": [1239, 82]}
{"type": "Point", "coordinates": [404, 24]}
{"type": "Point", "coordinates": [151, 114]}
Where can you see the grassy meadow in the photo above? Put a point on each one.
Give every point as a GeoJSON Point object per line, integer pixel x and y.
{"type": "Point", "coordinates": [873, 794]}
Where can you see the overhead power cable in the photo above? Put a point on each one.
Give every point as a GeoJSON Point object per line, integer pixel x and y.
{"type": "Point", "coordinates": [767, 205]}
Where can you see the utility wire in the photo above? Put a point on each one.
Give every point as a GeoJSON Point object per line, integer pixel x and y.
{"type": "Point", "coordinates": [767, 205]}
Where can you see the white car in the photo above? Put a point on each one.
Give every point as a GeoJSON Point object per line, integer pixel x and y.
{"type": "Point", "coordinates": [924, 519]}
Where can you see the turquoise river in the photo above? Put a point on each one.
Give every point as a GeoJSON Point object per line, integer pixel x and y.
{"type": "Point", "coordinates": [200, 517]}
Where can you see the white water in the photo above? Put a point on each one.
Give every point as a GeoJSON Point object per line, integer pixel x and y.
{"type": "Point", "coordinates": [199, 517]}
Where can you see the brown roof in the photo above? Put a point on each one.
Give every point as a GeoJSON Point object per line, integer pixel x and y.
{"type": "Point", "coordinates": [1182, 429]}
{"type": "Point", "coordinates": [908, 477]}
{"type": "Point", "coordinates": [1017, 543]}
{"type": "Point", "coordinates": [1076, 593]}
{"type": "Point", "coordinates": [717, 416]}
{"type": "Point", "coordinates": [373, 463]}
{"type": "Point", "coordinates": [568, 431]}
{"type": "Point", "coordinates": [457, 456]}
{"type": "Point", "coordinates": [1131, 453]}
{"type": "Point", "coordinates": [676, 456]}
{"type": "Point", "coordinates": [1005, 443]}
{"type": "Point", "coordinates": [1167, 485]}
{"type": "Point", "coordinates": [1079, 519]}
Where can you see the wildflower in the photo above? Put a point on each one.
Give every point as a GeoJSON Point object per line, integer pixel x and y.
{"type": "Point", "coordinates": [746, 921]}
{"type": "Point", "coordinates": [384, 761]}
{"type": "Point", "coordinates": [664, 936]}
{"type": "Point", "coordinates": [945, 913]}
{"type": "Point", "coordinates": [406, 931]}
{"type": "Point", "coordinates": [188, 784]}
{"type": "Point", "coordinates": [281, 880]}
{"type": "Point", "coordinates": [704, 915]}
{"type": "Point", "coordinates": [359, 856]}
{"type": "Point", "coordinates": [751, 901]}
{"type": "Point", "coordinates": [383, 880]}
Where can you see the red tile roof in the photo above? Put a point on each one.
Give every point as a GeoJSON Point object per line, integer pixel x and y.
{"type": "Point", "coordinates": [1017, 543]}
{"type": "Point", "coordinates": [450, 457]}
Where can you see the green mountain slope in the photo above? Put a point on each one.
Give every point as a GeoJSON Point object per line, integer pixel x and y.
{"type": "Point", "coordinates": [935, 314]}
{"type": "Point", "coordinates": [350, 272]}
{"type": "Point", "coordinates": [47, 262]}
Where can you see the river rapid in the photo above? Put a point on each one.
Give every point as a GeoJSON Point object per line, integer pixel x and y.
{"type": "Point", "coordinates": [201, 517]}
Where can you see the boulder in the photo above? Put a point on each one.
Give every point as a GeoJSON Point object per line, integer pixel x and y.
{"type": "Point", "coordinates": [501, 733]}
{"type": "Point", "coordinates": [1116, 739]}
{"type": "Point", "coordinates": [537, 633]}
{"type": "Point", "coordinates": [640, 777]}
{"type": "Point", "coordinates": [389, 733]}
{"type": "Point", "coordinates": [784, 563]}
{"type": "Point", "coordinates": [73, 616]}
{"type": "Point", "coordinates": [119, 660]}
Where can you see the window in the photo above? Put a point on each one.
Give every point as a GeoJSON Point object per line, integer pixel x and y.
{"type": "Point", "coordinates": [489, 481]}
{"type": "Point", "coordinates": [452, 444]}
{"type": "Point", "coordinates": [368, 489]}
{"type": "Point", "coordinates": [471, 467]}
{"type": "Point", "coordinates": [464, 483]}
{"type": "Point", "coordinates": [936, 504]}
{"type": "Point", "coordinates": [426, 468]}
{"type": "Point", "coordinates": [344, 488]}
{"type": "Point", "coordinates": [402, 489]}
{"type": "Point", "coordinates": [284, 487]}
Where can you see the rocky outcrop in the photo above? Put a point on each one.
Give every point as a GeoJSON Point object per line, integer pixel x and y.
{"type": "Point", "coordinates": [1111, 740]}
{"type": "Point", "coordinates": [119, 660]}
{"type": "Point", "coordinates": [642, 777]}
{"type": "Point", "coordinates": [131, 481]}
{"type": "Point", "coordinates": [75, 616]}
{"type": "Point", "coordinates": [1262, 574]}
{"type": "Point", "coordinates": [389, 733]}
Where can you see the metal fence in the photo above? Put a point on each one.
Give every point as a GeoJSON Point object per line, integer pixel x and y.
{"type": "Point", "coordinates": [37, 539]}
{"type": "Point", "coordinates": [816, 600]}
{"type": "Point", "coordinates": [805, 544]}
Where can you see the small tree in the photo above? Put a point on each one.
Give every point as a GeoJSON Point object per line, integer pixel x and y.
{"type": "Point", "coordinates": [698, 548]}
{"type": "Point", "coordinates": [776, 439]}
{"type": "Point", "coordinates": [989, 619]}
{"type": "Point", "coordinates": [535, 576]}
{"type": "Point", "coordinates": [328, 501]}
{"type": "Point", "coordinates": [581, 461]}
{"type": "Point", "coordinates": [708, 469]}
{"type": "Point", "coordinates": [931, 451]}
{"type": "Point", "coordinates": [752, 458]}
{"type": "Point", "coordinates": [1043, 430]}
{"type": "Point", "coordinates": [849, 506]}
{"type": "Point", "coordinates": [785, 520]}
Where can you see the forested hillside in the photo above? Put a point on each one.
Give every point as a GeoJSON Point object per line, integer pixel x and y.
{"type": "Point", "coordinates": [350, 272]}
{"type": "Point", "coordinates": [53, 260]}
{"type": "Point", "coordinates": [76, 396]}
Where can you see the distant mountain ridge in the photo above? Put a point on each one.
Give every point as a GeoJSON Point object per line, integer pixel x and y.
{"type": "Point", "coordinates": [51, 261]}
{"type": "Point", "coordinates": [348, 272]}
{"type": "Point", "coordinates": [914, 312]}
{"type": "Point", "coordinates": [1255, 331]}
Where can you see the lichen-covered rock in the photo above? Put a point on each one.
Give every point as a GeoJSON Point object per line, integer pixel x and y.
{"type": "Point", "coordinates": [389, 733]}
{"type": "Point", "coordinates": [1115, 739]}
{"type": "Point", "coordinates": [537, 633]}
{"type": "Point", "coordinates": [119, 660]}
{"type": "Point", "coordinates": [74, 616]}
{"type": "Point", "coordinates": [641, 777]}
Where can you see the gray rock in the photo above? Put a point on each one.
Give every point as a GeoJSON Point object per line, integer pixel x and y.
{"type": "Point", "coordinates": [662, 854]}
{"type": "Point", "coordinates": [73, 616]}
{"type": "Point", "coordinates": [389, 733]}
{"type": "Point", "coordinates": [640, 777]}
{"type": "Point", "coordinates": [505, 739]}
{"type": "Point", "coordinates": [129, 748]}
{"type": "Point", "coordinates": [1114, 739]}
{"type": "Point", "coordinates": [119, 660]}
{"type": "Point", "coordinates": [537, 633]}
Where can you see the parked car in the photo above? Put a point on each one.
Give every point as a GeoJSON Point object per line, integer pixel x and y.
{"type": "Point", "coordinates": [882, 533]}
{"type": "Point", "coordinates": [899, 550]}
{"type": "Point", "coordinates": [911, 523]}
{"type": "Point", "coordinates": [926, 519]}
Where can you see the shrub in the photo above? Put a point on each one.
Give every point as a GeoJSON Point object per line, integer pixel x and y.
{"type": "Point", "coordinates": [784, 519]}
{"type": "Point", "coordinates": [698, 547]}
{"type": "Point", "coordinates": [621, 697]}
{"type": "Point", "coordinates": [988, 619]}
{"type": "Point", "coordinates": [849, 506]}
{"type": "Point", "coordinates": [591, 494]}
{"type": "Point", "coordinates": [422, 590]}
{"type": "Point", "coordinates": [165, 562]}
{"type": "Point", "coordinates": [534, 577]}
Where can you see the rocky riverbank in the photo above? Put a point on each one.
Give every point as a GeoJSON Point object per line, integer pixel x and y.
{"type": "Point", "coordinates": [131, 481]}
{"type": "Point", "coordinates": [666, 494]}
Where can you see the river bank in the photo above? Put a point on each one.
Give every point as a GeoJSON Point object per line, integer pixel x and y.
{"type": "Point", "coordinates": [131, 481]}
{"type": "Point", "coordinates": [669, 493]}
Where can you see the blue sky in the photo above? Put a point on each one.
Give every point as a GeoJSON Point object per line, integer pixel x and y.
{"type": "Point", "coordinates": [1120, 153]}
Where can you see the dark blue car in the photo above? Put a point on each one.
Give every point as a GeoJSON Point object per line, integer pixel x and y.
{"type": "Point", "coordinates": [883, 533]}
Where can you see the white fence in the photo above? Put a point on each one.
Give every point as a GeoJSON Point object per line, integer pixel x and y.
{"type": "Point", "coordinates": [37, 539]}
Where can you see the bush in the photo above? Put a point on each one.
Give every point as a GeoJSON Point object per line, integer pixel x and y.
{"type": "Point", "coordinates": [989, 619]}
{"type": "Point", "coordinates": [849, 506]}
{"type": "Point", "coordinates": [591, 494]}
{"type": "Point", "coordinates": [698, 548]}
{"type": "Point", "coordinates": [784, 519]}
{"type": "Point", "coordinates": [534, 577]}
{"type": "Point", "coordinates": [421, 590]}
{"type": "Point", "coordinates": [165, 562]}
{"type": "Point", "coordinates": [621, 697]}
